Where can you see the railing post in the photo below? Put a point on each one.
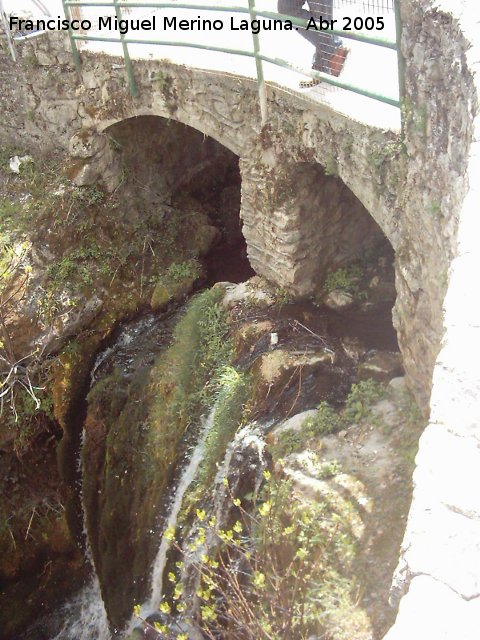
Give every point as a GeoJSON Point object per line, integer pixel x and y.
{"type": "Point", "coordinates": [262, 89]}
{"type": "Point", "coordinates": [73, 44]}
{"type": "Point", "coordinates": [126, 56]}
{"type": "Point", "coordinates": [400, 58]}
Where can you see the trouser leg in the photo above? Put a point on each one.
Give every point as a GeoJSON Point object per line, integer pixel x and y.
{"type": "Point", "coordinates": [323, 42]}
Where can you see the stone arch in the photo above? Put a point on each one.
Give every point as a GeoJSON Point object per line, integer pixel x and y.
{"type": "Point", "coordinates": [301, 222]}
{"type": "Point", "coordinates": [212, 128]}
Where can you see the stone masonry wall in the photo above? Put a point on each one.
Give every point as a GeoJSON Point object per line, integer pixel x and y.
{"type": "Point", "coordinates": [439, 570]}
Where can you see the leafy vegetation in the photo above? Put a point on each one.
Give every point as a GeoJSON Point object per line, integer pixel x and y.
{"type": "Point", "coordinates": [361, 398]}
{"type": "Point", "coordinates": [345, 279]}
{"type": "Point", "coordinates": [275, 572]}
{"type": "Point", "coordinates": [233, 393]}
{"type": "Point", "coordinates": [326, 420]}
{"type": "Point", "coordinates": [363, 395]}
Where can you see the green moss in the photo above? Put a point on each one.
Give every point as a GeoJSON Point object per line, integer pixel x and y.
{"type": "Point", "coordinates": [135, 430]}
{"type": "Point", "coordinates": [176, 282]}
{"type": "Point", "coordinates": [345, 279]}
{"type": "Point", "coordinates": [230, 403]}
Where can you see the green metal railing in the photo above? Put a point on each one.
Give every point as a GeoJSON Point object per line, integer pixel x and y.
{"type": "Point", "coordinates": [252, 12]}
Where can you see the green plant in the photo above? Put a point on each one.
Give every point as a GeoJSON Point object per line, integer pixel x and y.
{"type": "Point", "coordinates": [269, 574]}
{"type": "Point", "coordinates": [325, 421]}
{"type": "Point", "coordinates": [183, 270]}
{"type": "Point", "coordinates": [232, 394]}
{"type": "Point", "coordinates": [89, 195]}
{"type": "Point", "coordinates": [330, 165]}
{"type": "Point", "coordinates": [328, 469]}
{"type": "Point", "coordinates": [345, 279]}
{"type": "Point", "coordinates": [361, 398]}
{"type": "Point", "coordinates": [284, 297]}
{"type": "Point", "coordinates": [289, 441]}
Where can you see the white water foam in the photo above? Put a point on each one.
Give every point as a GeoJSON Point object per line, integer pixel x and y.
{"type": "Point", "coordinates": [84, 616]}
{"type": "Point", "coordinates": [186, 480]}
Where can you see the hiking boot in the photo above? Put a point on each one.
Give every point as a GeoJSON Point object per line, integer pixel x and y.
{"type": "Point", "coordinates": [308, 84]}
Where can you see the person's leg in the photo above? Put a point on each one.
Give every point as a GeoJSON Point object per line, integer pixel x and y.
{"type": "Point", "coordinates": [295, 8]}
{"type": "Point", "coordinates": [325, 42]}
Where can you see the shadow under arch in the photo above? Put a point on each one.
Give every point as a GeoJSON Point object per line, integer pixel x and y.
{"type": "Point", "coordinates": [170, 164]}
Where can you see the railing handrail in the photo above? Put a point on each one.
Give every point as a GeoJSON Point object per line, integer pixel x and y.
{"type": "Point", "coordinates": [272, 15]}
{"type": "Point", "coordinates": [255, 52]}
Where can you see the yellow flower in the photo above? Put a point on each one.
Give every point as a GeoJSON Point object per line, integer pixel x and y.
{"type": "Point", "coordinates": [171, 577]}
{"type": "Point", "coordinates": [165, 607]}
{"type": "Point", "coordinates": [169, 534]}
{"type": "Point", "coordinates": [178, 591]}
{"type": "Point", "coordinates": [201, 515]}
{"type": "Point", "coordinates": [237, 527]}
{"type": "Point", "coordinates": [237, 502]}
{"type": "Point", "coordinates": [137, 609]}
{"type": "Point", "coordinates": [259, 579]}
{"type": "Point", "coordinates": [265, 508]}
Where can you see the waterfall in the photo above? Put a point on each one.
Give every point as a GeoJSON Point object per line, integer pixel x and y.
{"type": "Point", "coordinates": [186, 479]}
{"type": "Point", "coordinates": [84, 616]}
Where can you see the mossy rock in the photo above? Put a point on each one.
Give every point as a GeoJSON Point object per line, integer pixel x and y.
{"type": "Point", "coordinates": [161, 296]}
{"type": "Point", "coordinates": [165, 293]}
{"type": "Point", "coordinates": [175, 284]}
{"type": "Point", "coordinates": [207, 236]}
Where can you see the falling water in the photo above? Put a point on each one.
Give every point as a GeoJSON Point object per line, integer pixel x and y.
{"type": "Point", "coordinates": [84, 616]}
{"type": "Point", "coordinates": [186, 479]}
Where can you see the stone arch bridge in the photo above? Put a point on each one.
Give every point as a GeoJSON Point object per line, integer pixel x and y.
{"type": "Point", "coordinates": [416, 188]}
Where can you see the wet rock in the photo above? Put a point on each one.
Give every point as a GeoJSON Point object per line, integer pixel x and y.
{"type": "Point", "coordinates": [295, 423]}
{"type": "Point", "coordinates": [251, 336]}
{"type": "Point", "coordinates": [338, 299]}
{"type": "Point", "coordinates": [275, 364]}
{"type": "Point", "coordinates": [353, 347]}
{"type": "Point", "coordinates": [253, 292]}
{"type": "Point", "coordinates": [382, 366]}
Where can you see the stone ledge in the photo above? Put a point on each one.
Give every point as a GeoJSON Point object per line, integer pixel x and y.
{"type": "Point", "coordinates": [432, 611]}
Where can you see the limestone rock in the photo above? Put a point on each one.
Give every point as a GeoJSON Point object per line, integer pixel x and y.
{"type": "Point", "coordinates": [250, 292]}
{"type": "Point", "coordinates": [207, 236]}
{"type": "Point", "coordinates": [86, 143]}
{"type": "Point", "coordinates": [353, 347]}
{"type": "Point", "coordinates": [17, 161]}
{"type": "Point", "coordinates": [294, 423]}
{"type": "Point", "coordinates": [338, 299]}
{"type": "Point", "coordinates": [381, 366]}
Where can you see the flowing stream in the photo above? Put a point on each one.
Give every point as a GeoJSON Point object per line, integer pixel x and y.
{"type": "Point", "coordinates": [186, 479]}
